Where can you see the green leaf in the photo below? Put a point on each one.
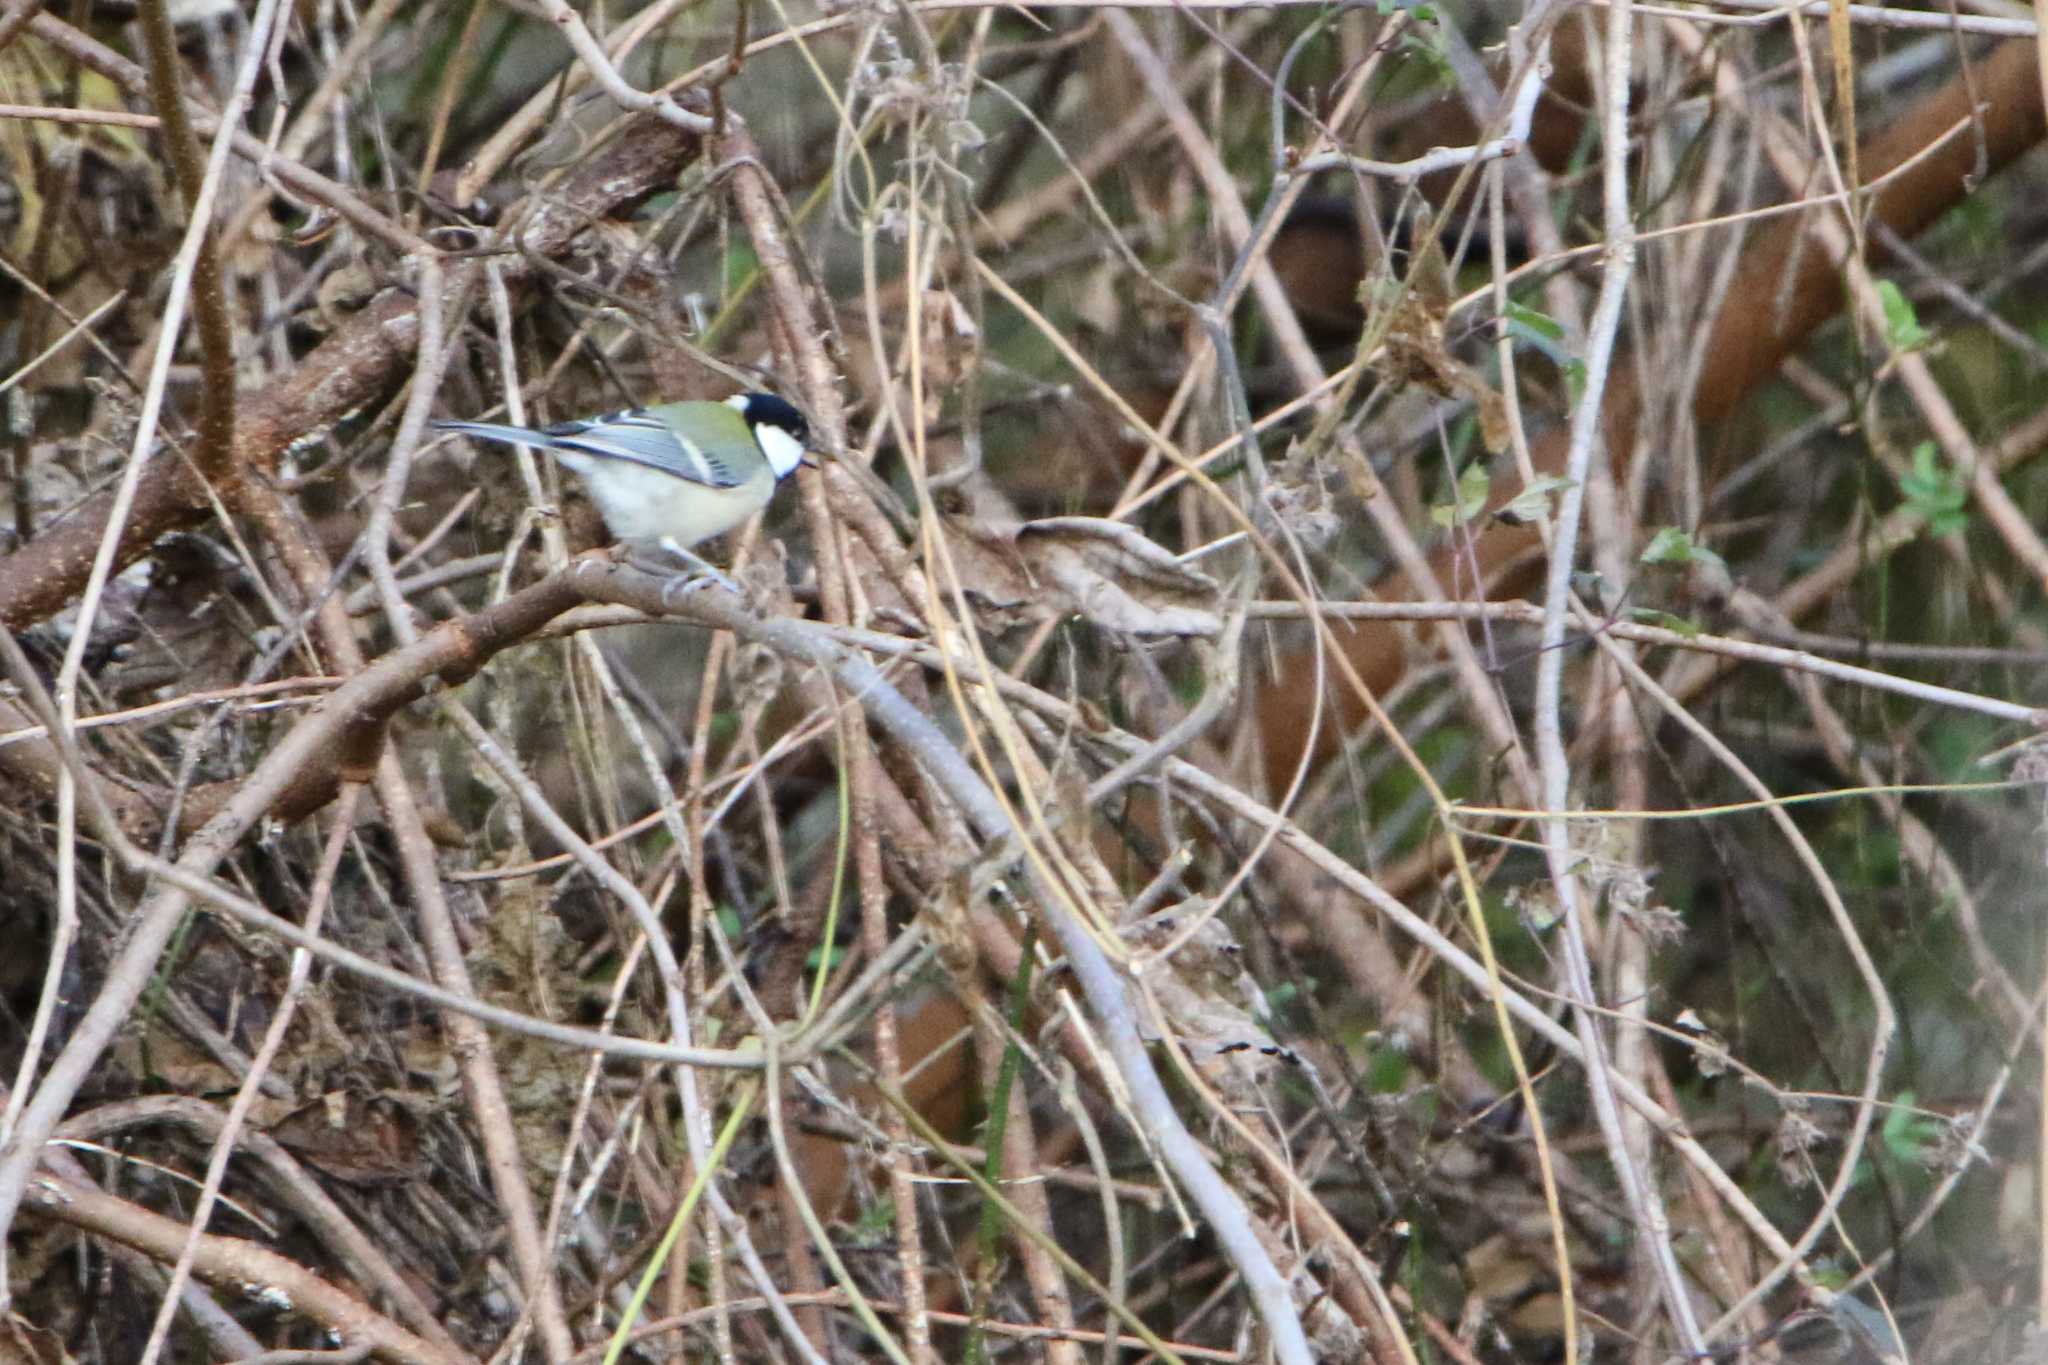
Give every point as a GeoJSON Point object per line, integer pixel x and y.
{"type": "Point", "coordinates": [1532, 503]}
{"type": "Point", "coordinates": [1522, 316]}
{"type": "Point", "coordinates": [1575, 379]}
{"type": "Point", "coordinates": [1677, 625]}
{"type": "Point", "coordinates": [1911, 1137]}
{"type": "Point", "coordinates": [1541, 332]}
{"type": "Point", "coordinates": [1673, 546]}
{"type": "Point", "coordinates": [1901, 324]}
{"type": "Point", "coordinates": [1473, 486]}
{"type": "Point", "coordinates": [874, 1221]}
{"type": "Point", "coordinates": [1936, 491]}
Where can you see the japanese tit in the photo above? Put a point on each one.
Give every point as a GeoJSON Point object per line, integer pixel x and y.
{"type": "Point", "coordinates": [673, 475]}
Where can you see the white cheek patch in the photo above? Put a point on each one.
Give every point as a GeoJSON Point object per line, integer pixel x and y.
{"type": "Point", "coordinates": [784, 451]}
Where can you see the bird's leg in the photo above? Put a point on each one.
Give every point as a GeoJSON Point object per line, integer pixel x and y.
{"type": "Point", "coordinates": [700, 571]}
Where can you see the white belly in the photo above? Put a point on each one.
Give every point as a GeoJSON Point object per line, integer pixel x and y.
{"type": "Point", "coordinates": [644, 505]}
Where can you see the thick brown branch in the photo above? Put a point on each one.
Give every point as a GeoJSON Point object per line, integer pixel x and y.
{"type": "Point", "coordinates": [347, 371]}
{"type": "Point", "coordinates": [1766, 318]}
{"type": "Point", "coordinates": [359, 362]}
{"type": "Point", "coordinates": [209, 294]}
{"type": "Point", "coordinates": [236, 1265]}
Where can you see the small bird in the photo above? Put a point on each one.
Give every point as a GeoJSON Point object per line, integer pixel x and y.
{"type": "Point", "coordinates": [673, 475]}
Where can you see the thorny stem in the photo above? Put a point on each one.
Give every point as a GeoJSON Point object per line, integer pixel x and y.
{"type": "Point", "coordinates": [1553, 766]}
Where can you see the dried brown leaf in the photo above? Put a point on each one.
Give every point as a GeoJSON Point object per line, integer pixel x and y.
{"type": "Point", "coordinates": [363, 1139]}
{"type": "Point", "coordinates": [1103, 571]}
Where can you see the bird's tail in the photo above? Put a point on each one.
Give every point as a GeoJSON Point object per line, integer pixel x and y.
{"type": "Point", "coordinates": [494, 431]}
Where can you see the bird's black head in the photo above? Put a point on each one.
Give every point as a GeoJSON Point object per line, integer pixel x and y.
{"type": "Point", "coordinates": [776, 412]}
{"type": "Point", "coordinates": [779, 429]}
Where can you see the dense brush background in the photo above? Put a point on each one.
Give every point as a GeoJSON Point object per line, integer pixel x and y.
{"type": "Point", "coordinates": [1021, 264]}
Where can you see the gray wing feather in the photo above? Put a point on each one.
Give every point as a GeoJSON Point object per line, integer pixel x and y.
{"type": "Point", "coordinates": [636, 436]}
